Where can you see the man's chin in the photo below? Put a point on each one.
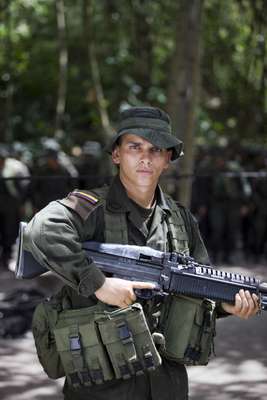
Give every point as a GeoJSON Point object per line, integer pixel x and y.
{"type": "Point", "coordinates": [146, 181]}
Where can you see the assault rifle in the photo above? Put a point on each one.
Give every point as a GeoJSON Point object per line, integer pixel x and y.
{"type": "Point", "coordinates": [171, 272]}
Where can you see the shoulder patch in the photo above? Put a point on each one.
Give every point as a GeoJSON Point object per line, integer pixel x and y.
{"type": "Point", "coordinates": [82, 202]}
{"type": "Point", "coordinates": [85, 195]}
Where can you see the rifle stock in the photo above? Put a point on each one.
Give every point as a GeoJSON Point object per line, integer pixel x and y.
{"type": "Point", "coordinates": [171, 272]}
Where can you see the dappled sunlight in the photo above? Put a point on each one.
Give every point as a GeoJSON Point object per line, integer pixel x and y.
{"type": "Point", "coordinates": [224, 381]}
{"type": "Point", "coordinates": [239, 371]}
{"type": "Point", "coordinates": [221, 372]}
{"type": "Point", "coordinates": [27, 379]}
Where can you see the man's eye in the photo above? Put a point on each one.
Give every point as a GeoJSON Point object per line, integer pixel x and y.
{"type": "Point", "coordinates": [156, 150]}
{"type": "Point", "coordinates": [134, 146]}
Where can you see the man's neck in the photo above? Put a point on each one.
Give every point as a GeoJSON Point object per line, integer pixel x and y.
{"type": "Point", "coordinates": [142, 195]}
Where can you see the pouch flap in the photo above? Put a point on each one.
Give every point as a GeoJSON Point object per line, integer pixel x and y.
{"type": "Point", "coordinates": [133, 319]}
{"type": "Point", "coordinates": [87, 335]}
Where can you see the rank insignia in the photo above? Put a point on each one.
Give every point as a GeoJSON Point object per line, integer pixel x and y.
{"type": "Point", "coordinates": [86, 196]}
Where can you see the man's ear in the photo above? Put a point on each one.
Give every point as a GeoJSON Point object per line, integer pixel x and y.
{"type": "Point", "coordinates": [169, 155]}
{"type": "Point", "coordinates": [115, 156]}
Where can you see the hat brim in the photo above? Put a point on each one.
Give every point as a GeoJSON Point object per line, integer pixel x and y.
{"type": "Point", "coordinates": [159, 139]}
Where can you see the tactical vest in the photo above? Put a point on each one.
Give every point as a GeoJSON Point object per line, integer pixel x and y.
{"type": "Point", "coordinates": [116, 230]}
{"type": "Point", "coordinates": [121, 338]}
{"type": "Point", "coordinates": [186, 324]}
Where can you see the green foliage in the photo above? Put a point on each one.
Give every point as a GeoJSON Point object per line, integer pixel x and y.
{"type": "Point", "coordinates": [134, 40]}
{"type": "Point", "coordinates": [234, 66]}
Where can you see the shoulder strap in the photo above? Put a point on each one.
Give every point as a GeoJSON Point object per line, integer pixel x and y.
{"type": "Point", "coordinates": [177, 230]}
{"type": "Point", "coordinates": [116, 230]}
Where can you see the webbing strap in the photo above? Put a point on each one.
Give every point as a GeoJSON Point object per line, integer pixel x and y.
{"type": "Point", "coordinates": [148, 358]}
{"type": "Point", "coordinates": [123, 366]}
{"type": "Point", "coordinates": [96, 371]}
{"type": "Point", "coordinates": [75, 347]}
{"type": "Point", "coordinates": [77, 357]}
{"type": "Point", "coordinates": [126, 338]}
{"type": "Point", "coordinates": [178, 237]}
{"type": "Point", "coordinates": [116, 230]}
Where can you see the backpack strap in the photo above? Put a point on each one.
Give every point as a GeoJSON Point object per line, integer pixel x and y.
{"type": "Point", "coordinates": [116, 230]}
{"type": "Point", "coordinates": [177, 229]}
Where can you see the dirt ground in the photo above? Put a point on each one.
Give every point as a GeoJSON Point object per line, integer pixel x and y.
{"type": "Point", "coordinates": [238, 372]}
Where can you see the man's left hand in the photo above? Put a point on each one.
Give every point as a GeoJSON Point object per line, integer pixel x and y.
{"type": "Point", "coordinates": [246, 305]}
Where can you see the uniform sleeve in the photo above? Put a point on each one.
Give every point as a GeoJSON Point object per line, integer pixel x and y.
{"type": "Point", "coordinates": [54, 237]}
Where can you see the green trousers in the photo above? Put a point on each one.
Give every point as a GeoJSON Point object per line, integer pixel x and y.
{"type": "Point", "coordinates": [168, 382]}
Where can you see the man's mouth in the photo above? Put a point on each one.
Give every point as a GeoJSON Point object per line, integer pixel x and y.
{"type": "Point", "coordinates": [145, 171]}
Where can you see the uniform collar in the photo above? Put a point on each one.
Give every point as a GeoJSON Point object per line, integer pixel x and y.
{"type": "Point", "coordinates": [118, 201]}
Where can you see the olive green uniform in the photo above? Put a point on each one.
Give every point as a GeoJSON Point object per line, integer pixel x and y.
{"type": "Point", "coordinates": [54, 237]}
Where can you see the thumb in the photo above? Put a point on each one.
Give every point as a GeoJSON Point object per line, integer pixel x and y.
{"type": "Point", "coordinates": [143, 285]}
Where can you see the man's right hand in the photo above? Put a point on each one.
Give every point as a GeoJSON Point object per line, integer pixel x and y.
{"type": "Point", "coordinates": [120, 292]}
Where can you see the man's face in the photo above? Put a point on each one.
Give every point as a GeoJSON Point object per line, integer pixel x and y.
{"type": "Point", "coordinates": [141, 163]}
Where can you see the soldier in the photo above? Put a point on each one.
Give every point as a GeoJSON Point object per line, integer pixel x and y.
{"type": "Point", "coordinates": [91, 166]}
{"type": "Point", "coordinates": [52, 177]}
{"type": "Point", "coordinates": [132, 210]}
{"type": "Point", "coordinates": [228, 196]}
{"type": "Point", "coordinates": [13, 193]}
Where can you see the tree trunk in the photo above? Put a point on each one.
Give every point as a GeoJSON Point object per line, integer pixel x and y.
{"type": "Point", "coordinates": [142, 47]}
{"type": "Point", "coordinates": [63, 68]}
{"type": "Point", "coordinates": [8, 77]}
{"type": "Point", "coordinates": [183, 87]}
{"type": "Point", "coordinates": [96, 78]}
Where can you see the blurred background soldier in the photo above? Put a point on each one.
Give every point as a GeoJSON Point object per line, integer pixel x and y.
{"type": "Point", "coordinates": [21, 152]}
{"type": "Point", "coordinates": [259, 213]}
{"type": "Point", "coordinates": [229, 192]}
{"type": "Point", "coordinates": [201, 201]}
{"type": "Point", "coordinates": [13, 192]}
{"type": "Point", "coordinates": [91, 165]}
{"type": "Point", "coordinates": [54, 175]}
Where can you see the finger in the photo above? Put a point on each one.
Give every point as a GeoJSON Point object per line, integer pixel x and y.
{"type": "Point", "coordinates": [253, 303]}
{"type": "Point", "coordinates": [238, 303]}
{"type": "Point", "coordinates": [256, 302]}
{"type": "Point", "coordinates": [245, 308]}
{"type": "Point", "coordinates": [129, 297]}
{"type": "Point", "coordinates": [130, 294]}
{"type": "Point", "coordinates": [245, 304]}
{"type": "Point", "coordinates": [123, 305]}
{"type": "Point", "coordinates": [143, 285]}
{"type": "Point", "coordinates": [127, 303]}
{"type": "Point", "coordinates": [251, 306]}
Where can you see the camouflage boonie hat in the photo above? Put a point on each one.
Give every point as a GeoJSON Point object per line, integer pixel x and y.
{"type": "Point", "coordinates": [152, 124]}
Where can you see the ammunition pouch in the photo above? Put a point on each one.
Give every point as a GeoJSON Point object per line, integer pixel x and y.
{"type": "Point", "coordinates": [94, 344]}
{"type": "Point", "coordinates": [44, 320]}
{"type": "Point", "coordinates": [188, 325]}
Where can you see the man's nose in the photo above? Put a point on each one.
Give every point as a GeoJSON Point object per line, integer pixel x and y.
{"type": "Point", "coordinates": [146, 156]}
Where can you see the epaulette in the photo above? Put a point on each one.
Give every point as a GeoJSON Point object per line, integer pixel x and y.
{"type": "Point", "coordinates": [82, 202]}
